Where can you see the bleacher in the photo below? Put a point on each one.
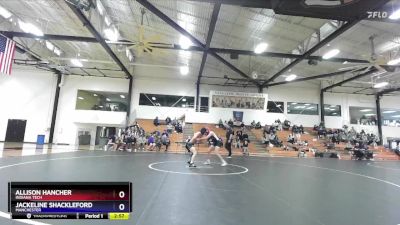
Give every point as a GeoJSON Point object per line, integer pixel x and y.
{"type": "Point", "coordinates": [310, 136]}
{"type": "Point", "coordinates": [149, 127]}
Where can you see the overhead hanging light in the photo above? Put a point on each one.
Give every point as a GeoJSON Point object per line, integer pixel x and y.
{"type": "Point", "coordinates": [291, 77]}
{"type": "Point", "coordinates": [394, 62]}
{"type": "Point", "coordinates": [395, 15]}
{"type": "Point", "coordinates": [122, 96]}
{"type": "Point", "coordinates": [389, 111]}
{"type": "Point", "coordinates": [111, 34]}
{"type": "Point", "coordinates": [381, 84]}
{"type": "Point", "coordinates": [49, 46]}
{"type": "Point", "coordinates": [184, 70]}
{"type": "Point", "coordinates": [76, 62]}
{"type": "Point", "coordinates": [330, 54]}
{"type": "Point", "coordinates": [260, 48]}
{"type": "Point", "coordinates": [57, 51]}
{"type": "Point", "coordinates": [185, 42]}
{"type": "Point", "coordinates": [30, 28]}
{"type": "Point", "coordinates": [5, 13]}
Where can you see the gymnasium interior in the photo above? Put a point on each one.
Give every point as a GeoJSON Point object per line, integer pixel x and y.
{"type": "Point", "coordinates": [304, 96]}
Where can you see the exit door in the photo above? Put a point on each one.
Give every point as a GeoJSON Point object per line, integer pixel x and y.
{"type": "Point", "coordinates": [15, 131]}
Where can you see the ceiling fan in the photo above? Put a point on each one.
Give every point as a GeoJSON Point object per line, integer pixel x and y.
{"type": "Point", "coordinates": [379, 62]}
{"type": "Point", "coordinates": [145, 44]}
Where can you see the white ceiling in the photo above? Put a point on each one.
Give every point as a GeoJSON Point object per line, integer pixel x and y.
{"type": "Point", "coordinates": [236, 28]}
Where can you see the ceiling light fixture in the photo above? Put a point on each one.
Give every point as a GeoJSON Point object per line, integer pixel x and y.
{"type": "Point", "coordinates": [122, 96]}
{"type": "Point", "coordinates": [184, 100]}
{"type": "Point", "coordinates": [5, 13]}
{"type": "Point", "coordinates": [100, 7]}
{"type": "Point", "coordinates": [76, 62]}
{"type": "Point", "coordinates": [81, 98]}
{"type": "Point", "coordinates": [184, 70]}
{"type": "Point", "coordinates": [388, 112]}
{"type": "Point", "coordinates": [370, 114]}
{"type": "Point", "coordinates": [394, 62]}
{"type": "Point", "coordinates": [260, 48]}
{"type": "Point", "coordinates": [291, 77]}
{"type": "Point", "coordinates": [332, 53]}
{"type": "Point", "coordinates": [108, 100]}
{"type": "Point", "coordinates": [111, 34]}
{"type": "Point", "coordinates": [49, 46]}
{"type": "Point", "coordinates": [365, 110]}
{"type": "Point", "coordinates": [395, 15]}
{"type": "Point", "coordinates": [95, 95]}
{"type": "Point", "coordinates": [153, 98]}
{"type": "Point", "coordinates": [396, 116]}
{"type": "Point", "coordinates": [30, 28]}
{"type": "Point", "coordinates": [381, 84]}
{"type": "Point", "coordinates": [185, 42]}
{"type": "Point", "coordinates": [107, 20]}
{"type": "Point", "coordinates": [57, 51]}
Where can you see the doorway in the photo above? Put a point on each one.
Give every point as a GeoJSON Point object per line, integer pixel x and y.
{"type": "Point", "coordinates": [15, 131]}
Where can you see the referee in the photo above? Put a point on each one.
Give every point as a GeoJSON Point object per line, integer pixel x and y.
{"type": "Point", "coordinates": [228, 143]}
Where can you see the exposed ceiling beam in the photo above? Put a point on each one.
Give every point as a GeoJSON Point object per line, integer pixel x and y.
{"type": "Point", "coordinates": [85, 21]}
{"type": "Point", "coordinates": [350, 79]}
{"type": "Point", "coordinates": [311, 78]}
{"type": "Point", "coordinates": [387, 91]}
{"type": "Point", "coordinates": [57, 37]}
{"type": "Point", "coordinates": [54, 37]}
{"type": "Point", "coordinates": [321, 44]}
{"type": "Point", "coordinates": [210, 34]}
{"type": "Point", "coordinates": [178, 28]}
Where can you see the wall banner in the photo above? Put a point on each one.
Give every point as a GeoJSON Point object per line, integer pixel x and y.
{"type": "Point", "coordinates": [238, 100]}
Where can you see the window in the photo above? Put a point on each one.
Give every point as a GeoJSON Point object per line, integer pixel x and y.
{"type": "Point", "coordinates": [333, 110]}
{"type": "Point", "coordinates": [203, 104]}
{"type": "Point", "coordinates": [362, 115]}
{"type": "Point", "coordinates": [166, 100]}
{"type": "Point", "coordinates": [103, 101]}
{"type": "Point", "coordinates": [302, 108]}
{"type": "Point", "coordinates": [390, 117]}
{"type": "Point", "coordinates": [275, 107]}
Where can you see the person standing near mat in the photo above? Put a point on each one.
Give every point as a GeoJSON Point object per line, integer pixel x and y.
{"type": "Point", "coordinates": [190, 145]}
{"type": "Point", "coordinates": [228, 143]}
{"type": "Point", "coordinates": [215, 144]}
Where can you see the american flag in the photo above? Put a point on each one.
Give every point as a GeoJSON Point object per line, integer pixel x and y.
{"type": "Point", "coordinates": [7, 51]}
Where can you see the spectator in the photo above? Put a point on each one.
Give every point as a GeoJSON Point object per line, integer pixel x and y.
{"type": "Point", "coordinates": [266, 139]}
{"type": "Point", "coordinates": [178, 128]}
{"type": "Point", "coordinates": [111, 144]}
{"type": "Point", "coordinates": [245, 147]}
{"type": "Point", "coordinates": [156, 122]}
{"type": "Point", "coordinates": [253, 124]}
{"type": "Point", "coordinates": [258, 125]}
{"type": "Point", "coordinates": [141, 143]}
{"type": "Point", "coordinates": [230, 123]}
{"type": "Point", "coordinates": [220, 124]}
{"type": "Point", "coordinates": [151, 143]}
{"type": "Point", "coordinates": [165, 141]}
{"type": "Point", "coordinates": [170, 128]}
{"type": "Point", "coordinates": [286, 125]}
{"type": "Point", "coordinates": [167, 120]}
{"type": "Point", "coordinates": [290, 139]}
{"type": "Point", "coordinates": [301, 129]}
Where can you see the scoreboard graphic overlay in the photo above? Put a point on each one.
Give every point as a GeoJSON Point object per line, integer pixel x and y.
{"type": "Point", "coordinates": [70, 200]}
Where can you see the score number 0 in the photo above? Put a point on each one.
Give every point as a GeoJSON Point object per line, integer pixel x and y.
{"type": "Point", "coordinates": [121, 194]}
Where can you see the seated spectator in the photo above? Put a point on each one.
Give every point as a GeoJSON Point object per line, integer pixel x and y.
{"type": "Point", "coordinates": [258, 125]}
{"type": "Point", "coordinates": [121, 142]}
{"type": "Point", "coordinates": [245, 136]}
{"type": "Point", "coordinates": [141, 142]}
{"type": "Point", "coordinates": [156, 122]}
{"type": "Point", "coordinates": [265, 140]}
{"type": "Point", "coordinates": [111, 144]}
{"type": "Point", "coordinates": [253, 124]}
{"type": "Point", "coordinates": [158, 142]}
{"type": "Point", "coordinates": [301, 129]}
{"type": "Point", "coordinates": [170, 128]}
{"type": "Point", "coordinates": [178, 128]}
{"type": "Point", "coordinates": [151, 142]}
{"type": "Point", "coordinates": [242, 125]}
{"type": "Point", "coordinates": [286, 125]}
{"type": "Point", "coordinates": [290, 139]}
{"type": "Point", "coordinates": [167, 120]}
{"type": "Point", "coordinates": [230, 123]}
{"type": "Point", "coordinates": [221, 124]}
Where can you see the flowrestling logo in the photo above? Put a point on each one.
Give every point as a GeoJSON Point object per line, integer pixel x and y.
{"type": "Point", "coordinates": [378, 15]}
